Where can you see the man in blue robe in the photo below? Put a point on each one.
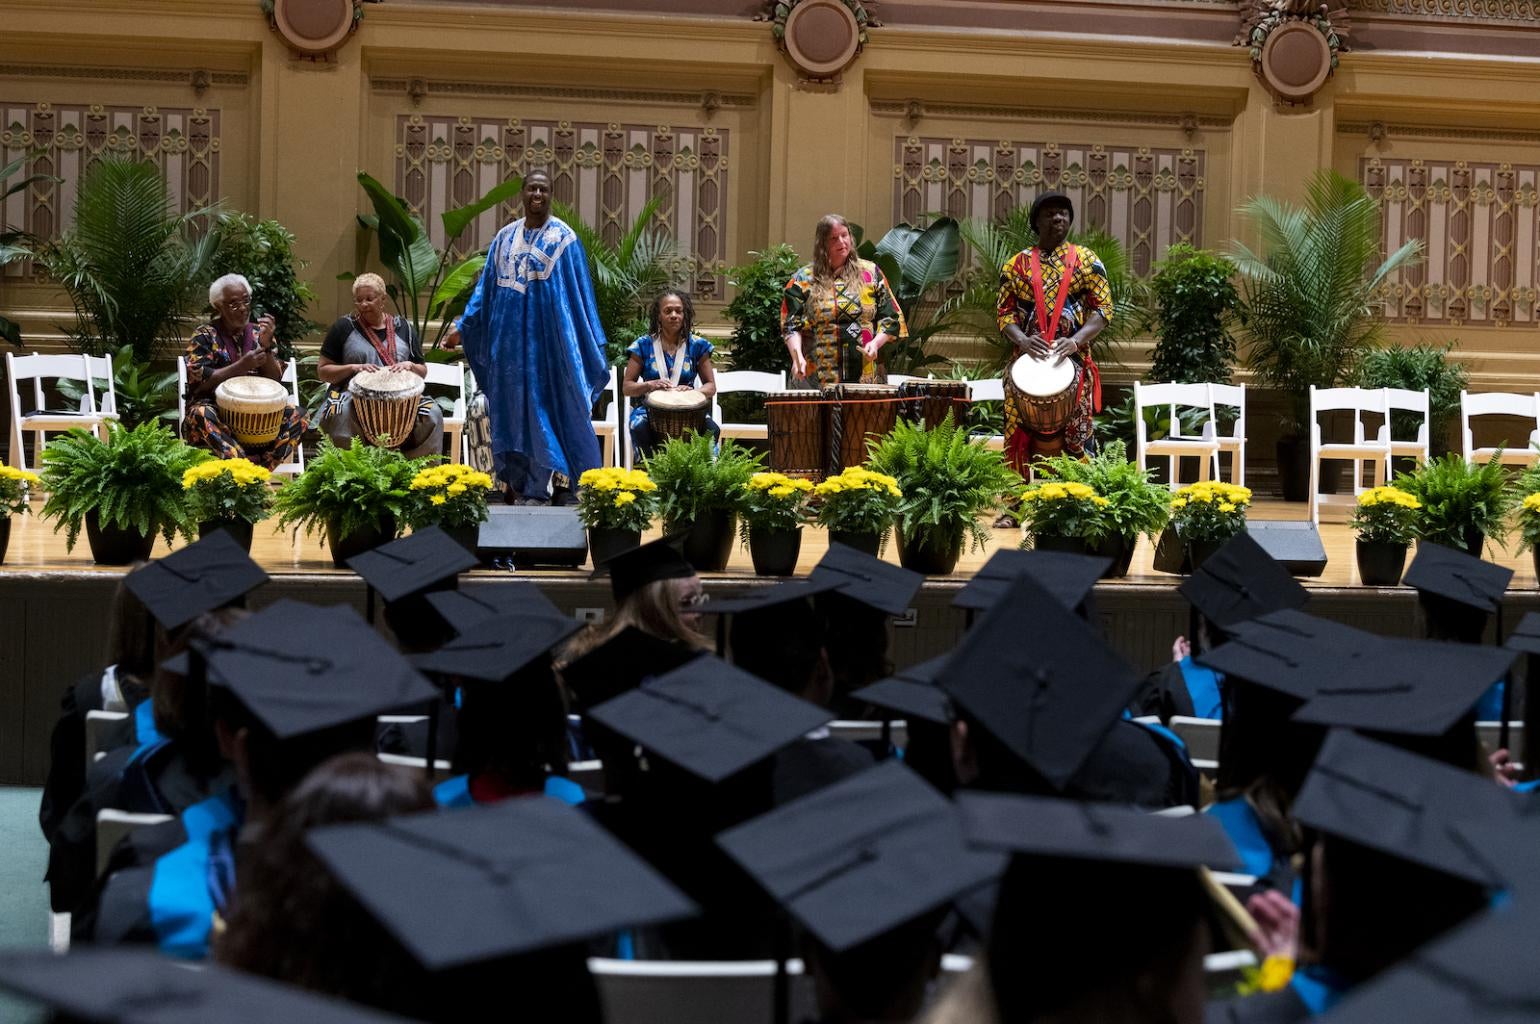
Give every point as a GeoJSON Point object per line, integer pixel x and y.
{"type": "Point", "coordinates": [532, 336]}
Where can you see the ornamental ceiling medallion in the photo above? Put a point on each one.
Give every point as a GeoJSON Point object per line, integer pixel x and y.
{"type": "Point", "coordinates": [821, 38]}
{"type": "Point", "coordinates": [1294, 44]}
{"type": "Point", "coordinates": [314, 29]}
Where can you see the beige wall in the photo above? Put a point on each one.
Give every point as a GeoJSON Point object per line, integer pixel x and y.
{"type": "Point", "coordinates": [292, 134]}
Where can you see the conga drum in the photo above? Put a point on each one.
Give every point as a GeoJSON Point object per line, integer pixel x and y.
{"type": "Point", "coordinates": [1045, 392]}
{"type": "Point", "coordinates": [676, 413]}
{"type": "Point", "coordinates": [857, 414]}
{"type": "Point", "coordinates": [385, 406]}
{"type": "Point", "coordinates": [795, 426]}
{"type": "Point", "coordinates": [928, 401]}
{"type": "Point", "coordinates": [252, 408]}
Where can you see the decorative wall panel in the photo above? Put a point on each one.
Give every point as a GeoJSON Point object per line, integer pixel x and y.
{"type": "Point", "coordinates": [1479, 225]}
{"type": "Point", "coordinates": [607, 172]}
{"type": "Point", "coordinates": [1147, 197]}
{"type": "Point", "coordinates": [183, 141]}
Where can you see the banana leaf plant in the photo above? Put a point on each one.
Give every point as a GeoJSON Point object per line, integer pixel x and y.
{"type": "Point", "coordinates": [13, 243]}
{"type": "Point", "coordinates": [918, 263]}
{"type": "Point", "coordinates": [426, 285]}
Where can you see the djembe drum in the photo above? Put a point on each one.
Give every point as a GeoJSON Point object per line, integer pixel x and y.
{"type": "Point", "coordinates": [928, 401]}
{"type": "Point", "coordinates": [252, 408]}
{"type": "Point", "coordinates": [857, 414]}
{"type": "Point", "coordinates": [676, 413]}
{"type": "Point", "coordinates": [385, 406]}
{"type": "Point", "coordinates": [1045, 393]}
{"type": "Point", "coordinates": [795, 427]}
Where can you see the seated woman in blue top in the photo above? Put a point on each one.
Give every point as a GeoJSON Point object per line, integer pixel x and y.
{"type": "Point", "coordinates": [667, 358]}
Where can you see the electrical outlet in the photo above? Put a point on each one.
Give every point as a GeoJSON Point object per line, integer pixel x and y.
{"type": "Point", "coordinates": [908, 620]}
{"type": "Point", "coordinates": [594, 616]}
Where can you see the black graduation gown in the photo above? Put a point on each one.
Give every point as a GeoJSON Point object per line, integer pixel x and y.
{"type": "Point", "coordinates": [1136, 765]}
{"type": "Point", "coordinates": [811, 764]}
{"type": "Point", "coordinates": [1282, 1007]}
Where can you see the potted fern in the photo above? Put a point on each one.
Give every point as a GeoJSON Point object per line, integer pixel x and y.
{"type": "Point", "coordinates": [229, 495]}
{"type": "Point", "coordinates": [947, 483]}
{"type": "Point", "coordinates": [770, 507]}
{"type": "Point", "coordinates": [14, 485]}
{"type": "Point", "coordinates": [1134, 504]}
{"type": "Point", "coordinates": [358, 497]}
{"type": "Point", "coordinates": [123, 490]}
{"type": "Point", "coordinates": [698, 492]}
{"type": "Point", "coordinates": [1462, 504]}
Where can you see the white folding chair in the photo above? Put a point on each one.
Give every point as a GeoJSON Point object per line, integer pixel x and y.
{"type": "Point", "coordinates": [41, 421]}
{"type": "Point", "coordinates": [1201, 735]}
{"type": "Point", "coordinates": [1525, 407]}
{"type": "Point", "coordinates": [1231, 396]}
{"type": "Point", "coordinates": [1405, 401]}
{"type": "Point", "coordinates": [441, 768]}
{"type": "Point", "coordinates": [988, 389]}
{"type": "Point", "coordinates": [588, 774]}
{"type": "Point", "coordinates": [696, 992]}
{"type": "Point", "coordinates": [452, 375]}
{"type": "Point", "coordinates": [98, 724]}
{"type": "Point", "coordinates": [1357, 402]}
{"type": "Point", "coordinates": [608, 428]}
{"type": "Point", "coordinates": [740, 381]}
{"type": "Point", "coordinates": [112, 825]}
{"type": "Point", "coordinates": [291, 378]}
{"type": "Point", "coordinates": [1173, 398]}
{"type": "Point", "coordinates": [181, 395]}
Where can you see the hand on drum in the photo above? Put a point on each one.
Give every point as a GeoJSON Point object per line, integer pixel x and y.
{"type": "Point", "coordinates": [662, 384]}
{"type": "Point", "coordinates": [1034, 346]}
{"type": "Point", "coordinates": [1064, 348]}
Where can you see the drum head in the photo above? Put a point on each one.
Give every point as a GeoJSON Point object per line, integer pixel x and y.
{"type": "Point", "coordinates": [1042, 378]}
{"type": "Point", "coordinates": [682, 401]}
{"type": "Point", "coordinates": [251, 389]}
{"type": "Point", "coordinates": [385, 384]}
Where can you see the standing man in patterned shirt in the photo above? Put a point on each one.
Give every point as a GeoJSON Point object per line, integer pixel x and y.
{"type": "Point", "coordinates": [1054, 300]}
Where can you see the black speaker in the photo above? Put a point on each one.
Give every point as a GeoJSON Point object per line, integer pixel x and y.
{"type": "Point", "coordinates": [530, 535]}
{"type": "Point", "coordinates": [1296, 544]}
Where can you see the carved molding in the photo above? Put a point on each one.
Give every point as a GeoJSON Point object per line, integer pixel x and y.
{"type": "Point", "coordinates": [1523, 12]}
{"type": "Point", "coordinates": [1294, 45]}
{"type": "Point", "coordinates": [821, 38]}
{"type": "Point", "coordinates": [1421, 131]}
{"type": "Point", "coordinates": [703, 99]}
{"type": "Point", "coordinates": [912, 110]}
{"type": "Point", "coordinates": [237, 78]}
{"type": "Point", "coordinates": [313, 29]}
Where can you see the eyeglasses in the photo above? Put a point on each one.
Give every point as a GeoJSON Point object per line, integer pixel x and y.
{"type": "Point", "coordinates": [694, 600]}
{"type": "Point", "coordinates": [242, 303]}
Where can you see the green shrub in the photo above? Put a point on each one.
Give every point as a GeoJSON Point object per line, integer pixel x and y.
{"type": "Point", "coordinates": [350, 489]}
{"type": "Point", "coordinates": [757, 343]}
{"type": "Point", "coordinates": [262, 251]}
{"type": "Point", "coordinates": [133, 480]}
{"type": "Point", "coordinates": [947, 481]}
{"type": "Point", "coordinates": [1456, 496]}
{"type": "Point", "coordinates": [1195, 302]}
{"type": "Point", "coordinates": [692, 481]}
{"type": "Point", "coordinates": [1417, 368]}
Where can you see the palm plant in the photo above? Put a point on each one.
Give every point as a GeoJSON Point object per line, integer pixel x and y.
{"type": "Point", "coordinates": [917, 263]}
{"type": "Point", "coordinates": [419, 267]}
{"type": "Point", "coordinates": [1310, 310]}
{"type": "Point", "coordinates": [626, 275]}
{"type": "Point", "coordinates": [13, 243]}
{"type": "Point", "coordinates": [133, 267]}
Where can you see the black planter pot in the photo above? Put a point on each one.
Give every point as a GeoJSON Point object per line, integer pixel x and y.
{"type": "Point", "coordinates": [1118, 548]}
{"type": "Point", "coordinates": [871, 543]}
{"type": "Point", "coordinates": [359, 541]}
{"type": "Point", "coordinates": [1198, 552]}
{"type": "Point", "coordinates": [929, 554]}
{"type": "Point", "coordinates": [1535, 556]}
{"type": "Point", "coordinates": [113, 545]}
{"type": "Point", "coordinates": [1057, 542]}
{"type": "Point", "coordinates": [5, 536]}
{"type": "Point", "coordinates": [1171, 554]}
{"type": "Point", "coordinates": [1380, 563]}
{"type": "Point", "coordinates": [604, 544]}
{"type": "Point", "coordinates": [465, 536]}
{"type": "Point", "coordinates": [774, 552]}
{"type": "Point", "coordinates": [709, 543]}
{"type": "Point", "coordinates": [239, 530]}
{"type": "Point", "coordinates": [1475, 541]}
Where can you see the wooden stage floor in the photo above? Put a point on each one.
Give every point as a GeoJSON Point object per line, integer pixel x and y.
{"type": "Point", "coordinates": [36, 548]}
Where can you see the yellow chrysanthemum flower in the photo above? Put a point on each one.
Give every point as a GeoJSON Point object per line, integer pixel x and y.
{"type": "Point", "coordinates": [1227, 506]}
{"type": "Point", "coordinates": [438, 499]}
{"type": "Point", "coordinates": [782, 491]}
{"type": "Point", "coordinates": [1532, 502]}
{"type": "Point", "coordinates": [624, 498]}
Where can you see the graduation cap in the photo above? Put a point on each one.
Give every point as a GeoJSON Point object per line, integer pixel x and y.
{"type": "Point", "coordinates": [302, 668]}
{"type": "Point", "coordinates": [1398, 803]}
{"type": "Point", "coordinates": [1507, 844]}
{"type": "Point", "coordinates": [709, 718]}
{"type": "Point", "coordinates": [209, 574]}
{"type": "Point", "coordinates": [913, 692]}
{"type": "Point", "coordinates": [1051, 827]}
{"type": "Point", "coordinates": [462, 609]}
{"type": "Point", "coordinates": [1407, 687]}
{"type": "Point", "coordinates": [1482, 971]}
{"type": "Point", "coordinates": [1464, 579]}
{"type": "Point", "coordinates": [424, 558]}
{"type": "Point", "coordinates": [1525, 637]}
{"type": "Point", "coordinates": [1048, 693]}
{"type": "Point", "coordinates": [632, 570]}
{"type": "Point", "coordinates": [1241, 581]}
{"type": "Point", "coordinates": [766, 598]}
{"type": "Point", "coordinates": [868, 579]}
{"type": "Point", "coordinates": [620, 663]}
{"type": "Point", "coordinates": [861, 857]}
{"type": "Point", "coordinates": [1295, 653]}
{"type": "Point", "coordinates": [494, 649]}
{"type": "Point", "coordinates": [1067, 576]}
{"type": "Point", "coordinates": [118, 986]}
{"type": "Point", "coordinates": [494, 881]}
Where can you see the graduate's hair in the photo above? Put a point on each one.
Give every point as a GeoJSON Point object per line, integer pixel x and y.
{"type": "Point", "coordinates": [132, 636]}
{"type": "Point", "coordinates": [655, 314]}
{"type": "Point", "coordinates": [180, 705]}
{"type": "Point", "coordinates": [515, 729]}
{"type": "Point", "coordinates": [824, 274]}
{"type": "Point", "coordinates": [651, 608]}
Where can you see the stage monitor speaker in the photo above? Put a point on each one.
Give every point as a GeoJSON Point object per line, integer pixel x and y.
{"type": "Point", "coordinates": [532, 535]}
{"type": "Point", "coordinates": [1296, 544]}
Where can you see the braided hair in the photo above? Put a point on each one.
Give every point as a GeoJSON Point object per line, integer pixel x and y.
{"type": "Point", "coordinates": [655, 315]}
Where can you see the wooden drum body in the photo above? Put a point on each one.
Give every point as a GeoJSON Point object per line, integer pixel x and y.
{"type": "Point", "coordinates": [796, 429]}
{"type": "Point", "coordinates": [676, 413]}
{"type": "Point", "coordinates": [252, 408]}
{"type": "Point", "coordinates": [857, 414]}
{"type": "Point", "coordinates": [1045, 392]}
{"type": "Point", "coordinates": [928, 401]}
{"type": "Point", "coordinates": [385, 406]}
